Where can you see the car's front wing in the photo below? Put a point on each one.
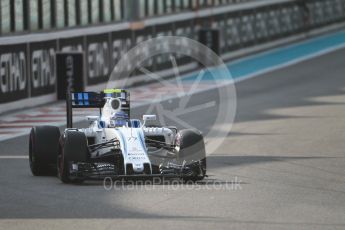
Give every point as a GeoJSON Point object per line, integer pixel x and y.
{"type": "Point", "coordinates": [100, 171]}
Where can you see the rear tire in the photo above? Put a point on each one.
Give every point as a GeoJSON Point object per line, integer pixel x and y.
{"type": "Point", "coordinates": [43, 150]}
{"type": "Point", "coordinates": [192, 149]}
{"type": "Point", "coordinates": [73, 148]}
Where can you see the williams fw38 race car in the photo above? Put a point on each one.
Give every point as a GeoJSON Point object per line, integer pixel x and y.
{"type": "Point", "coordinates": [114, 145]}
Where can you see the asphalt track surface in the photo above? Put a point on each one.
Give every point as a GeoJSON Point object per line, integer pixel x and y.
{"type": "Point", "coordinates": [285, 154]}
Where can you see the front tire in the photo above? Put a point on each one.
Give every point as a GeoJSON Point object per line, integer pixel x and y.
{"type": "Point", "coordinates": [43, 149]}
{"type": "Point", "coordinates": [191, 148]}
{"type": "Point", "coordinates": [73, 148]}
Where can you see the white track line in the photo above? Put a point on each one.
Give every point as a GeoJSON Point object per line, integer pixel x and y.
{"type": "Point", "coordinates": [14, 157]}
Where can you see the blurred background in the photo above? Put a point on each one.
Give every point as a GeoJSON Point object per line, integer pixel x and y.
{"type": "Point", "coordinates": [32, 32]}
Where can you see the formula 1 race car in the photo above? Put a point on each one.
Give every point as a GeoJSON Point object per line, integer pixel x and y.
{"type": "Point", "coordinates": [114, 145]}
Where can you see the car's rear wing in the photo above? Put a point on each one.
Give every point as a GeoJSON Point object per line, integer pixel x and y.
{"type": "Point", "coordinates": [82, 100]}
{"type": "Point", "coordinates": [91, 100]}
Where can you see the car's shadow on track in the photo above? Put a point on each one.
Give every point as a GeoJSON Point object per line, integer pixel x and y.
{"type": "Point", "coordinates": [224, 160]}
{"type": "Point", "coordinates": [211, 180]}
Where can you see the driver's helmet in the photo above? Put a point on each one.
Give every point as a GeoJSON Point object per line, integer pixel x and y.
{"type": "Point", "coordinates": [119, 119]}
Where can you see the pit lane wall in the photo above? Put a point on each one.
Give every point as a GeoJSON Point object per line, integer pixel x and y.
{"type": "Point", "coordinates": [28, 63]}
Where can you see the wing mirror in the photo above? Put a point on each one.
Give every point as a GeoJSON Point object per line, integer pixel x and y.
{"type": "Point", "coordinates": [149, 118]}
{"type": "Point", "coordinates": [92, 118]}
